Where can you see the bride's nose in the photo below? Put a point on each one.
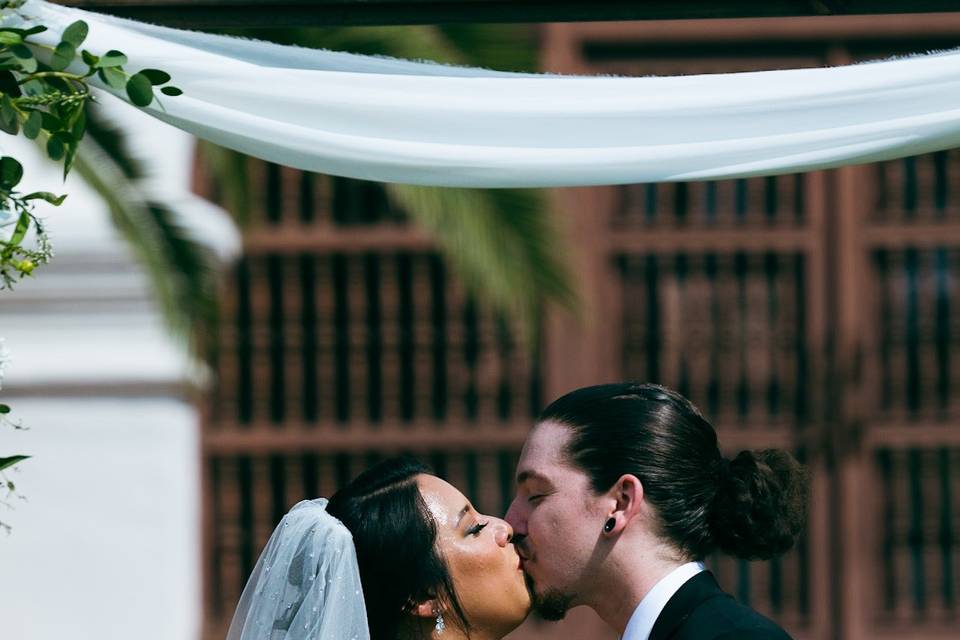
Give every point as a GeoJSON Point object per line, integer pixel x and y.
{"type": "Point", "coordinates": [504, 533]}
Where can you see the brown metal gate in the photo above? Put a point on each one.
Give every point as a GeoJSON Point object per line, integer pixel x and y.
{"type": "Point", "coordinates": [817, 312]}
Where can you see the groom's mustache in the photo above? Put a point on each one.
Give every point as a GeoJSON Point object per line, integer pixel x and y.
{"type": "Point", "coordinates": [519, 542]}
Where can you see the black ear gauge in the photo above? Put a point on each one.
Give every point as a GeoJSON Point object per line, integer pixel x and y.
{"type": "Point", "coordinates": [609, 525]}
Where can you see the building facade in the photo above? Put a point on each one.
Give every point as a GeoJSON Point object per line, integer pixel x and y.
{"type": "Point", "coordinates": [818, 312]}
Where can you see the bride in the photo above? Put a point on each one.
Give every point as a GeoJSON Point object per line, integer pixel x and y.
{"type": "Point", "coordinates": [397, 554]}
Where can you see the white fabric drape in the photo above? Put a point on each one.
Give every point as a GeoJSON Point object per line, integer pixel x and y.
{"type": "Point", "coordinates": [423, 123]}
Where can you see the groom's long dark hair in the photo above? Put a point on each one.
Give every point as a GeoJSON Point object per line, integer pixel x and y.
{"type": "Point", "coordinates": [752, 507]}
{"type": "Point", "coordinates": [395, 536]}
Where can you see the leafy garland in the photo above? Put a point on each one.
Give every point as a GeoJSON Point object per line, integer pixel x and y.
{"type": "Point", "coordinates": [46, 100]}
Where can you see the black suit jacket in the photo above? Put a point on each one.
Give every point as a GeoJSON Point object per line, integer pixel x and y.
{"type": "Point", "coordinates": [700, 610]}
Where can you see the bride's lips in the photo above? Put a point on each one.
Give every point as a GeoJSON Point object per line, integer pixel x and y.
{"type": "Point", "coordinates": [519, 559]}
{"type": "Point", "coordinates": [520, 552]}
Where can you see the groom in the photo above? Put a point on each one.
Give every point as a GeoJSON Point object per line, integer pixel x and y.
{"type": "Point", "coordinates": [621, 494]}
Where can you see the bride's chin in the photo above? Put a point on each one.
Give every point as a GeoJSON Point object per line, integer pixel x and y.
{"type": "Point", "coordinates": [518, 619]}
{"type": "Point", "coordinates": [505, 620]}
{"type": "Point", "coordinates": [524, 605]}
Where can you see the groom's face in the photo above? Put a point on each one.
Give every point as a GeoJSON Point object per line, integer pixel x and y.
{"type": "Point", "coordinates": [556, 518]}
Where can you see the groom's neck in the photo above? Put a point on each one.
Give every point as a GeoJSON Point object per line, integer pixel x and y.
{"type": "Point", "coordinates": [628, 574]}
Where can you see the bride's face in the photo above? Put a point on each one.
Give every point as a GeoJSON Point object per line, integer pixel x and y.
{"type": "Point", "coordinates": [481, 558]}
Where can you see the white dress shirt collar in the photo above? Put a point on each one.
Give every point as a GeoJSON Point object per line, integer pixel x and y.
{"type": "Point", "coordinates": [646, 614]}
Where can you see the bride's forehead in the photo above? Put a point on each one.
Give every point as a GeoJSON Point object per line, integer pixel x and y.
{"type": "Point", "coordinates": [443, 499]}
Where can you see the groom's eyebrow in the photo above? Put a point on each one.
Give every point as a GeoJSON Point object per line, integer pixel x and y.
{"type": "Point", "coordinates": [529, 474]}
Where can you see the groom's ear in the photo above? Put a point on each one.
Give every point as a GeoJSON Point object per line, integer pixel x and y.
{"type": "Point", "coordinates": [629, 496]}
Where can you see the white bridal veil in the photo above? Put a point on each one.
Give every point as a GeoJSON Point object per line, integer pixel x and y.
{"type": "Point", "coordinates": [306, 584]}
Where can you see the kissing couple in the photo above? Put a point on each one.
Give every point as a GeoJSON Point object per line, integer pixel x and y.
{"type": "Point", "coordinates": [622, 492]}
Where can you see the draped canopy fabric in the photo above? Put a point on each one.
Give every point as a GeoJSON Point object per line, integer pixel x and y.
{"type": "Point", "coordinates": [424, 123]}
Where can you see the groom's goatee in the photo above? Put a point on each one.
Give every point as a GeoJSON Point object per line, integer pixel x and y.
{"type": "Point", "coordinates": [552, 604]}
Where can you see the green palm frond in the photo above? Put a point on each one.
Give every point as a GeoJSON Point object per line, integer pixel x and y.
{"type": "Point", "coordinates": [492, 46]}
{"type": "Point", "coordinates": [413, 42]}
{"type": "Point", "coordinates": [504, 47]}
{"type": "Point", "coordinates": [503, 243]}
{"type": "Point", "coordinates": [182, 271]}
{"type": "Point", "coordinates": [229, 170]}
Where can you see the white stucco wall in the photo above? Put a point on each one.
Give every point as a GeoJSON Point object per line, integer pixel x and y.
{"type": "Point", "coordinates": [108, 543]}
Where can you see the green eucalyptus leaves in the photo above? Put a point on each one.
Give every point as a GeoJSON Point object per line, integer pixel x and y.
{"type": "Point", "coordinates": [44, 91]}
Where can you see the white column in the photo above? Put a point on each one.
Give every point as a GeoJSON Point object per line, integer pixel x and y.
{"type": "Point", "coordinates": [107, 543]}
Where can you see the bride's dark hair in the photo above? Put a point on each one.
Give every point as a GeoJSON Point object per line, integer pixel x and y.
{"type": "Point", "coordinates": [395, 536]}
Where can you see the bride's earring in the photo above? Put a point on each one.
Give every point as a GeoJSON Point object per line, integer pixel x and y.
{"type": "Point", "coordinates": [440, 626]}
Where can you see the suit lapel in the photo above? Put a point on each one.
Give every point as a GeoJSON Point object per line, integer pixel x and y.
{"type": "Point", "coordinates": [694, 591]}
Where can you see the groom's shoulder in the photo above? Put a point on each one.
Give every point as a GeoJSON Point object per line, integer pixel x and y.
{"type": "Point", "coordinates": [723, 618]}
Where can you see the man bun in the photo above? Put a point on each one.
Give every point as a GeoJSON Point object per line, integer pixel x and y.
{"type": "Point", "coordinates": [760, 504]}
